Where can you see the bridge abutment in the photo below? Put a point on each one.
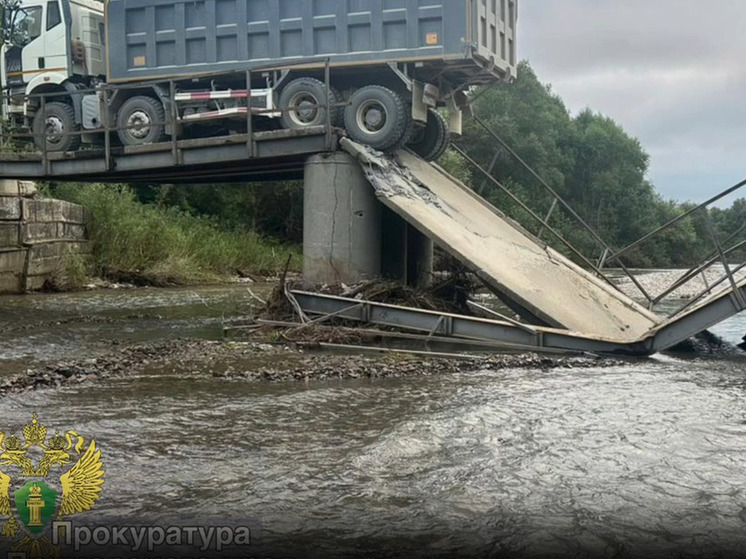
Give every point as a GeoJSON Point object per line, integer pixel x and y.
{"type": "Point", "coordinates": [36, 235]}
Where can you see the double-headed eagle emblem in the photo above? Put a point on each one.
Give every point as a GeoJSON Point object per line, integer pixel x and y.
{"type": "Point", "coordinates": [35, 503]}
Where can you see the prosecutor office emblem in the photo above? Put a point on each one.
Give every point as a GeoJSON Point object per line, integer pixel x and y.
{"type": "Point", "coordinates": [30, 499]}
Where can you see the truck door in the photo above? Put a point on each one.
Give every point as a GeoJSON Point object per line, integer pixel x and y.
{"type": "Point", "coordinates": [55, 39]}
{"type": "Point", "coordinates": [26, 47]}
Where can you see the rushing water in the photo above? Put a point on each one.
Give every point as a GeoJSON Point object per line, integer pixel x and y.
{"type": "Point", "coordinates": [642, 460]}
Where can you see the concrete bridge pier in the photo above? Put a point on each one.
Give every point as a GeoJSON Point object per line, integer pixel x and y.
{"type": "Point", "coordinates": [349, 236]}
{"type": "Point", "coordinates": [407, 254]}
{"type": "Point", "coordinates": [341, 222]}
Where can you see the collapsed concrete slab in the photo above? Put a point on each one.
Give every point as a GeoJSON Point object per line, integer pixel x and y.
{"type": "Point", "coordinates": [519, 268]}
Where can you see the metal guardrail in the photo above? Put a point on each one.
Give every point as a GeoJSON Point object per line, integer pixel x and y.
{"type": "Point", "coordinates": [718, 255]}
{"type": "Point", "coordinates": [107, 128]}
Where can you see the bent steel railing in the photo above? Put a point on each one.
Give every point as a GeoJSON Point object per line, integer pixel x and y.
{"type": "Point", "coordinates": [609, 255]}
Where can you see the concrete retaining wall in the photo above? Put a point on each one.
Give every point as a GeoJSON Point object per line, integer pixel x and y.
{"type": "Point", "coordinates": [35, 236]}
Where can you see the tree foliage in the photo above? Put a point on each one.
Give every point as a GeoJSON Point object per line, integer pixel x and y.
{"type": "Point", "coordinates": [593, 164]}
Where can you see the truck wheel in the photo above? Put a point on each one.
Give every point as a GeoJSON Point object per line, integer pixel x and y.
{"type": "Point", "coordinates": [338, 116]}
{"type": "Point", "coordinates": [141, 120]}
{"type": "Point", "coordinates": [307, 100]}
{"type": "Point", "coordinates": [445, 143]}
{"type": "Point", "coordinates": [377, 116]}
{"type": "Point", "coordinates": [433, 140]}
{"type": "Point", "coordinates": [54, 128]}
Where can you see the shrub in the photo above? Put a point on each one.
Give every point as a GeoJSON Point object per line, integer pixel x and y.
{"type": "Point", "coordinates": [164, 246]}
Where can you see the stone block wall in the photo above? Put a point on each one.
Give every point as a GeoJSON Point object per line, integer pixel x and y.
{"type": "Point", "coordinates": [35, 236]}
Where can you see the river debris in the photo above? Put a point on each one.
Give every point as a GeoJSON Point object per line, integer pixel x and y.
{"type": "Point", "coordinates": [449, 294]}
{"type": "Point", "coordinates": [707, 344]}
{"type": "Point", "coordinates": [284, 316]}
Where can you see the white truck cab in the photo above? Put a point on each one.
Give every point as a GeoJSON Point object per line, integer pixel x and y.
{"type": "Point", "coordinates": [50, 46]}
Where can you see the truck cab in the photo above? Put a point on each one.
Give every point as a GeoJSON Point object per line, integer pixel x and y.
{"type": "Point", "coordinates": [50, 46]}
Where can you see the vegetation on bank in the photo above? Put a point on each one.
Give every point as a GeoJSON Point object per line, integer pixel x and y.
{"type": "Point", "coordinates": [161, 245]}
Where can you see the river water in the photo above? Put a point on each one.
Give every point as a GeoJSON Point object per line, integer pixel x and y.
{"type": "Point", "coordinates": [643, 460]}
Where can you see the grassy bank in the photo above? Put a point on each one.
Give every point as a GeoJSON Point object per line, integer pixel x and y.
{"type": "Point", "coordinates": [166, 246]}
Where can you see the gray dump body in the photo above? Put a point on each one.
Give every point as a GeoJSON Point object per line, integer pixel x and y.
{"type": "Point", "coordinates": [462, 39]}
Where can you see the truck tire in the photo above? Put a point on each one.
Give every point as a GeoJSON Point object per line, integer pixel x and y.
{"type": "Point", "coordinates": [54, 128]}
{"type": "Point", "coordinates": [141, 120]}
{"type": "Point", "coordinates": [433, 140]}
{"type": "Point", "coordinates": [445, 143]}
{"type": "Point", "coordinates": [308, 98]}
{"type": "Point", "coordinates": [338, 116]}
{"type": "Point", "coordinates": [377, 116]}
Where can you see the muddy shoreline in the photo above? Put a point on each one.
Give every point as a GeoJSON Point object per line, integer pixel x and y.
{"type": "Point", "coordinates": [262, 362]}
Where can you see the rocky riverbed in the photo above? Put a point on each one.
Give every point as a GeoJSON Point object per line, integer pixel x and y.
{"type": "Point", "coordinates": [262, 362]}
{"type": "Point", "coordinates": [656, 282]}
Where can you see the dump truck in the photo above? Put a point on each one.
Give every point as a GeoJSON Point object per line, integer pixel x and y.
{"type": "Point", "coordinates": [385, 71]}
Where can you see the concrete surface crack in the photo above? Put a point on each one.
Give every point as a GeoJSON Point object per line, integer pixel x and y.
{"type": "Point", "coordinates": [334, 226]}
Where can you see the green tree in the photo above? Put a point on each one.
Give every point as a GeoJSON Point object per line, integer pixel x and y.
{"type": "Point", "coordinates": [592, 163]}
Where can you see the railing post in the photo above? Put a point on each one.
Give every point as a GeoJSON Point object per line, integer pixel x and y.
{"type": "Point", "coordinates": [546, 220]}
{"type": "Point", "coordinates": [602, 260]}
{"type": "Point", "coordinates": [490, 167]}
{"type": "Point", "coordinates": [723, 258]}
{"type": "Point", "coordinates": [4, 128]}
{"type": "Point", "coordinates": [174, 123]}
{"type": "Point", "coordinates": [330, 104]}
{"type": "Point", "coordinates": [249, 118]}
{"type": "Point", "coordinates": [704, 279]}
{"type": "Point", "coordinates": [107, 130]}
{"type": "Point", "coordinates": [44, 155]}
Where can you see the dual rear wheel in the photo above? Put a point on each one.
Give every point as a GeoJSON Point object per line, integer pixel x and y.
{"type": "Point", "coordinates": [380, 118]}
{"type": "Point", "coordinates": [432, 140]}
{"type": "Point", "coordinates": [375, 115]}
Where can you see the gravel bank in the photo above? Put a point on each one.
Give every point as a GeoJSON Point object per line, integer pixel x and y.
{"type": "Point", "coordinates": [656, 282]}
{"type": "Point", "coordinates": [256, 362]}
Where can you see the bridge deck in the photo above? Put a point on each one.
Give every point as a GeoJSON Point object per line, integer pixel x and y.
{"type": "Point", "coordinates": [273, 155]}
